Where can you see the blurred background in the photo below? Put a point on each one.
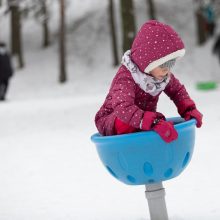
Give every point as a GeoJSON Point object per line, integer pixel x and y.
{"type": "Point", "coordinates": [58, 43]}
{"type": "Point", "coordinates": [57, 61]}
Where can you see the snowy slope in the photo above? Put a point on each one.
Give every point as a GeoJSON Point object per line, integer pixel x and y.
{"type": "Point", "coordinates": [48, 166]}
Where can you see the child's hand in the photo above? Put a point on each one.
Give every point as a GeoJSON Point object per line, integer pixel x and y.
{"type": "Point", "coordinates": [149, 118]}
{"type": "Point", "coordinates": [194, 113]}
{"type": "Point", "coordinates": [166, 130]}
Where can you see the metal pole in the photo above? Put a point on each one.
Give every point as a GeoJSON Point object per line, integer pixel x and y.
{"type": "Point", "coordinates": [155, 194]}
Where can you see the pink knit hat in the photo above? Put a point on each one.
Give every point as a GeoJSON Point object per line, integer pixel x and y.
{"type": "Point", "coordinates": [155, 44]}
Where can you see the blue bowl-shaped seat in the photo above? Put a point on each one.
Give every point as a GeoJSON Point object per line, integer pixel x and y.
{"type": "Point", "coordinates": [143, 157]}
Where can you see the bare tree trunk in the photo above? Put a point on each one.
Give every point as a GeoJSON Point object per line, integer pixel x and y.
{"type": "Point", "coordinates": [16, 42]}
{"type": "Point", "coordinates": [62, 77]}
{"type": "Point", "coordinates": [128, 23]}
{"type": "Point", "coordinates": [46, 35]}
{"type": "Point", "coordinates": [14, 29]}
{"type": "Point", "coordinates": [113, 32]}
{"type": "Point", "coordinates": [151, 9]}
{"type": "Point", "coordinates": [201, 27]}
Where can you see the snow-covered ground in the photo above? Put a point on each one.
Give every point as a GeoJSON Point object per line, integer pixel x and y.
{"type": "Point", "coordinates": [49, 168]}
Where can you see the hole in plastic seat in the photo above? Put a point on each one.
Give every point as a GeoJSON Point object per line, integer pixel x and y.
{"type": "Point", "coordinates": [151, 181]}
{"type": "Point", "coordinates": [111, 171]}
{"type": "Point", "coordinates": [168, 173]}
{"type": "Point", "coordinates": [186, 159]}
{"type": "Point", "coordinates": [131, 179]}
{"type": "Point", "coordinates": [122, 161]}
{"type": "Point", "coordinates": [148, 169]}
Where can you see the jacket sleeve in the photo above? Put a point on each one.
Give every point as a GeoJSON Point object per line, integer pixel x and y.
{"type": "Point", "coordinates": [178, 94]}
{"type": "Point", "coordinates": [123, 102]}
{"type": "Point", "coordinates": [11, 71]}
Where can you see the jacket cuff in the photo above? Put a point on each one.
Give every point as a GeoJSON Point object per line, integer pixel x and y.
{"type": "Point", "coordinates": [185, 105]}
{"type": "Point", "coordinates": [148, 120]}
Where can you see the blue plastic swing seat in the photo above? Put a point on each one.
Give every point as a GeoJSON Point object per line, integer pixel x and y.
{"type": "Point", "coordinates": [143, 157]}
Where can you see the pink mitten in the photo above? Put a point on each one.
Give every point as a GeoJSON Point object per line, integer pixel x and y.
{"type": "Point", "coordinates": [149, 118]}
{"type": "Point", "coordinates": [166, 130]}
{"type": "Point", "coordinates": [194, 113]}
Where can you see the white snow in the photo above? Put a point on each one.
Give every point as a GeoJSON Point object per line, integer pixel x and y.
{"type": "Point", "coordinates": [49, 168]}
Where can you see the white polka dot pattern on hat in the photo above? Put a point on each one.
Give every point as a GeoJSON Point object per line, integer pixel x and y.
{"type": "Point", "coordinates": [154, 41]}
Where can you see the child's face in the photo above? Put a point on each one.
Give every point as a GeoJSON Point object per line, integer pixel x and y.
{"type": "Point", "coordinates": [160, 73]}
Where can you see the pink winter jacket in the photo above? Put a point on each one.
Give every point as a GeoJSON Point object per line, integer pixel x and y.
{"type": "Point", "coordinates": [128, 102]}
{"type": "Point", "coordinates": [154, 44]}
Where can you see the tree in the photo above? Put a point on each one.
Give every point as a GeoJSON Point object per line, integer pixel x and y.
{"type": "Point", "coordinates": [16, 42]}
{"type": "Point", "coordinates": [113, 32]}
{"type": "Point", "coordinates": [62, 43]}
{"type": "Point", "coordinates": [151, 9]}
{"type": "Point", "coordinates": [46, 40]}
{"type": "Point", "coordinates": [41, 12]}
{"type": "Point", "coordinates": [201, 22]}
{"type": "Point", "coordinates": [128, 23]}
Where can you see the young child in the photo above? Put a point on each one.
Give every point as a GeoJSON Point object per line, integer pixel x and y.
{"type": "Point", "coordinates": [131, 103]}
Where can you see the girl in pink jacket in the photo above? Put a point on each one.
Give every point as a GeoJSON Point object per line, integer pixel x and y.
{"type": "Point", "coordinates": [131, 103]}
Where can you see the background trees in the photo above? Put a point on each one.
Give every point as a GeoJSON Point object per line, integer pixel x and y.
{"type": "Point", "coordinates": [114, 46]}
{"type": "Point", "coordinates": [122, 25]}
{"type": "Point", "coordinates": [128, 23]}
{"type": "Point", "coordinates": [62, 43]}
{"type": "Point", "coordinates": [16, 29]}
